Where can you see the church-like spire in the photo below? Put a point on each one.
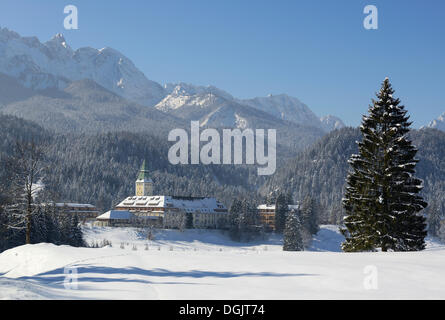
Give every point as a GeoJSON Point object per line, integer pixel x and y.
{"type": "Point", "coordinates": [143, 173]}
{"type": "Point", "coordinates": [144, 185]}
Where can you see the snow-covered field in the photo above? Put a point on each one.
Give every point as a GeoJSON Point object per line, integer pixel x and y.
{"type": "Point", "coordinates": [198, 264]}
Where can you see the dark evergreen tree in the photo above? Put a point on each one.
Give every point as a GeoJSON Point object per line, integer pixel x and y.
{"type": "Point", "coordinates": [309, 215]}
{"type": "Point", "coordinates": [3, 230]}
{"type": "Point", "coordinates": [441, 232]}
{"type": "Point", "coordinates": [292, 239]}
{"type": "Point", "coordinates": [53, 235]}
{"type": "Point", "coordinates": [381, 200]}
{"type": "Point", "coordinates": [271, 198]}
{"type": "Point", "coordinates": [77, 236]}
{"type": "Point", "coordinates": [65, 227]}
{"type": "Point", "coordinates": [249, 219]}
{"type": "Point", "coordinates": [281, 209]}
{"type": "Point", "coordinates": [189, 221]}
{"type": "Point", "coordinates": [244, 224]}
{"type": "Point", "coordinates": [235, 213]}
{"type": "Point", "coordinates": [289, 198]}
{"type": "Point", "coordinates": [433, 219]}
{"type": "Point", "coordinates": [250, 213]}
{"type": "Point", "coordinates": [39, 227]}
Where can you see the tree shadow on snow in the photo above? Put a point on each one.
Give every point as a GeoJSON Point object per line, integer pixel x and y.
{"type": "Point", "coordinates": [85, 274]}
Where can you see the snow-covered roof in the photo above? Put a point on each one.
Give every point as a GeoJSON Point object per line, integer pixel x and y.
{"type": "Point", "coordinates": [266, 207]}
{"type": "Point", "coordinates": [188, 204]}
{"type": "Point", "coordinates": [115, 215]}
{"type": "Point", "coordinates": [75, 205]}
{"type": "Point", "coordinates": [272, 207]}
{"type": "Point", "coordinates": [69, 204]}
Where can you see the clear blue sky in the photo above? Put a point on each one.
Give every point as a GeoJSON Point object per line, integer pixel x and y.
{"type": "Point", "coordinates": [315, 50]}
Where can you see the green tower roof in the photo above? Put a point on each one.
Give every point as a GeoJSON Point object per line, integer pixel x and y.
{"type": "Point", "coordinates": [143, 173]}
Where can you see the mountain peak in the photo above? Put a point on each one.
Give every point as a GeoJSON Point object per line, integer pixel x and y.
{"type": "Point", "coordinates": [110, 52]}
{"type": "Point", "coordinates": [54, 64]}
{"type": "Point", "coordinates": [187, 89]}
{"type": "Point", "coordinates": [8, 34]}
{"type": "Point", "coordinates": [276, 97]}
{"type": "Point", "coordinates": [271, 95]}
{"type": "Point", "coordinates": [284, 107]}
{"type": "Point", "coordinates": [438, 123]}
{"type": "Point", "coordinates": [58, 36]}
{"type": "Point", "coordinates": [57, 42]}
{"type": "Point", "coordinates": [331, 122]}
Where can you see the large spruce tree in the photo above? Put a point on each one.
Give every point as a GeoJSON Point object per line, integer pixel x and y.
{"type": "Point", "coordinates": [381, 200]}
{"type": "Point", "coordinates": [281, 210]}
{"type": "Point", "coordinates": [292, 239]}
{"type": "Point", "coordinates": [309, 215]}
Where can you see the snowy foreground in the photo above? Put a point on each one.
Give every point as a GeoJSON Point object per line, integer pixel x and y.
{"type": "Point", "coordinates": [206, 265]}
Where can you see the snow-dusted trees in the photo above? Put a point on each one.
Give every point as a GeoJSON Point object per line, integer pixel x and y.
{"type": "Point", "coordinates": [281, 209]}
{"type": "Point", "coordinates": [309, 214]}
{"type": "Point", "coordinates": [244, 223]}
{"type": "Point", "coordinates": [292, 238]}
{"type": "Point", "coordinates": [77, 236]}
{"type": "Point", "coordinates": [53, 225]}
{"type": "Point", "coordinates": [233, 220]}
{"type": "Point", "coordinates": [23, 219]}
{"type": "Point", "coordinates": [441, 232]}
{"type": "Point", "coordinates": [25, 168]}
{"type": "Point", "coordinates": [4, 232]}
{"type": "Point", "coordinates": [381, 199]}
{"type": "Point", "coordinates": [189, 220]}
{"type": "Point", "coordinates": [434, 218]}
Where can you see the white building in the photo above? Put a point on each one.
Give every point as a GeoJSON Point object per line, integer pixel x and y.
{"type": "Point", "coordinates": [168, 211]}
{"type": "Point", "coordinates": [114, 217]}
{"type": "Point", "coordinates": [206, 212]}
{"type": "Point", "coordinates": [85, 212]}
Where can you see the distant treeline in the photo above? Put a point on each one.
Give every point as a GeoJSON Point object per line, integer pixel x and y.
{"type": "Point", "coordinates": [101, 168]}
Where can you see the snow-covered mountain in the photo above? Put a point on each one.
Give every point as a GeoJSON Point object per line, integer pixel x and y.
{"type": "Point", "coordinates": [54, 64]}
{"type": "Point", "coordinates": [331, 122]}
{"type": "Point", "coordinates": [37, 75]}
{"type": "Point", "coordinates": [215, 108]}
{"type": "Point", "coordinates": [284, 107]}
{"type": "Point", "coordinates": [182, 97]}
{"type": "Point", "coordinates": [438, 123]}
{"type": "Point", "coordinates": [83, 106]}
{"type": "Point", "coordinates": [212, 107]}
{"type": "Point", "coordinates": [194, 102]}
{"type": "Point", "coordinates": [186, 89]}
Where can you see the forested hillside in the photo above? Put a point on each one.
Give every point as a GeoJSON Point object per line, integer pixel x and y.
{"type": "Point", "coordinates": [101, 168]}
{"type": "Point", "coordinates": [321, 170]}
{"type": "Point", "coordinates": [83, 106]}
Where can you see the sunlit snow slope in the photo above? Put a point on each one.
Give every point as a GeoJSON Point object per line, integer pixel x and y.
{"type": "Point", "coordinates": [206, 265]}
